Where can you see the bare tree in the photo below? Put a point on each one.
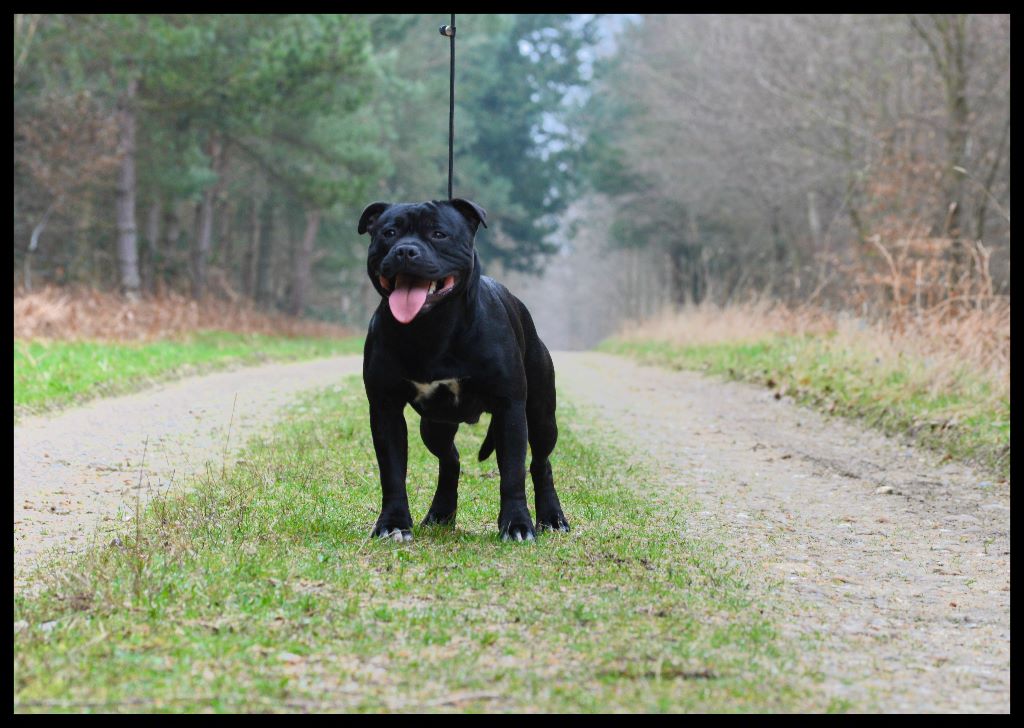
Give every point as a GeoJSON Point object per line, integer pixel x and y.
{"type": "Point", "coordinates": [766, 143]}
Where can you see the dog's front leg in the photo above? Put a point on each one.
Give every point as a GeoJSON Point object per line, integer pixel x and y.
{"type": "Point", "coordinates": [514, 520]}
{"type": "Point", "coordinates": [390, 440]}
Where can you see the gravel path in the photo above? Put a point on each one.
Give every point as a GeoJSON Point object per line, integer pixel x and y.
{"type": "Point", "coordinates": [77, 470]}
{"type": "Point", "coordinates": [896, 565]}
{"type": "Point", "coordinates": [901, 564]}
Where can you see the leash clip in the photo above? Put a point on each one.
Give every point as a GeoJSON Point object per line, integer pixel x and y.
{"type": "Point", "coordinates": [447, 30]}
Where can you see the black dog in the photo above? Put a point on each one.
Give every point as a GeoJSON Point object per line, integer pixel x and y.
{"type": "Point", "coordinates": [453, 344]}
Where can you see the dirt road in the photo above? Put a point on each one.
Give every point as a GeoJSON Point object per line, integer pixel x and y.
{"type": "Point", "coordinates": [901, 564]}
{"type": "Point", "coordinates": [894, 565]}
{"type": "Point", "coordinates": [78, 469]}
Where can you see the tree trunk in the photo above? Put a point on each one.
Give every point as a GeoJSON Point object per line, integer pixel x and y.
{"type": "Point", "coordinates": [127, 232]}
{"type": "Point", "coordinates": [152, 247]}
{"type": "Point", "coordinates": [224, 241]}
{"type": "Point", "coordinates": [698, 276]}
{"type": "Point", "coordinates": [956, 100]}
{"type": "Point", "coordinates": [167, 262]}
{"type": "Point", "coordinates": [946, 38]}
{"type": "Point", "coordinates": [955, 78]}
{"type": "Point", "coordinates": [677, 258]}
{"type": "Point", "coordinates": [813, 219]}
{"type": "Point", "coordinates": [302, 271]}
{"type": "Point", "coordinates": [204, 231]}
{"type": "Point", "coordinates": [252, 254]}
{"type": "Point", "coordinates": [263, 259]}
{"type": "Point", "coordinates": [986, 190]}
{"type": "Point", "coordinates": [776, 265]}
{"type": "Point", "coordinates": [698, 272]}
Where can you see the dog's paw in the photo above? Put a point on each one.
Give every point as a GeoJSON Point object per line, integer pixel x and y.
{"type": "Point", "coordinates": [396, 534]}
{"type": "Point", "coordinates": [517, 533]}
{"type": "Point", "coordinates": [517, 527]}
{"type": "Point", "coordinates": [439, 519]}
{"type": "Point", "coordinates": [397, 528]}
{"type": "Point", "coordinates": [553, 522]}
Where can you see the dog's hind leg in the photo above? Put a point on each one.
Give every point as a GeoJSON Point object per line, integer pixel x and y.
{"type": "Point", "coordinates": [439, 437]}
{"type": "Point", "coordinates": [543, 433]}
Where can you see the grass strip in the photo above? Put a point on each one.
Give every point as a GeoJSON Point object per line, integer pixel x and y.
{"type": "Point", "coordinates": [260, 591]}
{"type": "Point", "coordinates": [966, 420]}
{"type": "Point", "coordinates": [51, 374]}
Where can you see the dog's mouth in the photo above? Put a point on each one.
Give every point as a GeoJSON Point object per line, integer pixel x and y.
{"type": "Point", "coordinates": [409, 295]}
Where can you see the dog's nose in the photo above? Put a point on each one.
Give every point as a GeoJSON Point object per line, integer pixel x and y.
{"type": "Point", "coordinates": [406, 252]}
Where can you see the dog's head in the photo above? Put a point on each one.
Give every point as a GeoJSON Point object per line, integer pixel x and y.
{"type": "Point", "coordinates": [421, 253]}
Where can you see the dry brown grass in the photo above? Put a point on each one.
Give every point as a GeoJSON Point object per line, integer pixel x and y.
{"type": "Point", "coordinates": [86, 314]}
{"type": "Point", "coordinates": [977, 339]}
{"type": "Point", "coordinates": [711, 324]}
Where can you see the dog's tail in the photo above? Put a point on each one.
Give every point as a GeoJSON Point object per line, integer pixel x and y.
{"type": "Point", "coordinates": [488, 447]}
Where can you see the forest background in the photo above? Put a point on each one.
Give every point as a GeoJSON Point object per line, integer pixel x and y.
{"type": "Point", "coordinates": [629, 164]}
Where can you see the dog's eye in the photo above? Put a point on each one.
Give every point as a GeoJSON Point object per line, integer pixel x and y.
{"type": "Point", "coordinates": [389, 233]}
{"type": "Point", "coordinates": [439, 235]}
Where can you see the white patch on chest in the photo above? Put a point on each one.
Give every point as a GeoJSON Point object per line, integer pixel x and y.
{"type": "Point", "coordinates": [425, 391]}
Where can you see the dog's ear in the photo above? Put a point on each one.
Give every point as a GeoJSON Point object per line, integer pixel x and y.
{"type": "Point", "coordinates": [370, 215]}
{"type": "Point", "coordinates": [471, 211]}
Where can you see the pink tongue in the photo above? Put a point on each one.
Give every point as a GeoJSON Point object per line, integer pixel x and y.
{"type": "Point", "coordinates": [408, 297]}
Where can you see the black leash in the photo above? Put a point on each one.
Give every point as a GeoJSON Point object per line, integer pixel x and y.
{"type": "Point", "coordinates": [449, 30]}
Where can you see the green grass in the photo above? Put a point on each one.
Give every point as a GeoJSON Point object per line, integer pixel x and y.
{"type": "Point", "coordinates": [967, 421]}
{"type": "Point", "coordinates": [260, 591]}
{"type": "Point", "coordinates": [52, 374]}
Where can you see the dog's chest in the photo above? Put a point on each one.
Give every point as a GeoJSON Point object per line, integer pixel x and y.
{"type": "Point", "coordinates": [447, 400]}
{"type": "Point", "coordinates": [446, 390]}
